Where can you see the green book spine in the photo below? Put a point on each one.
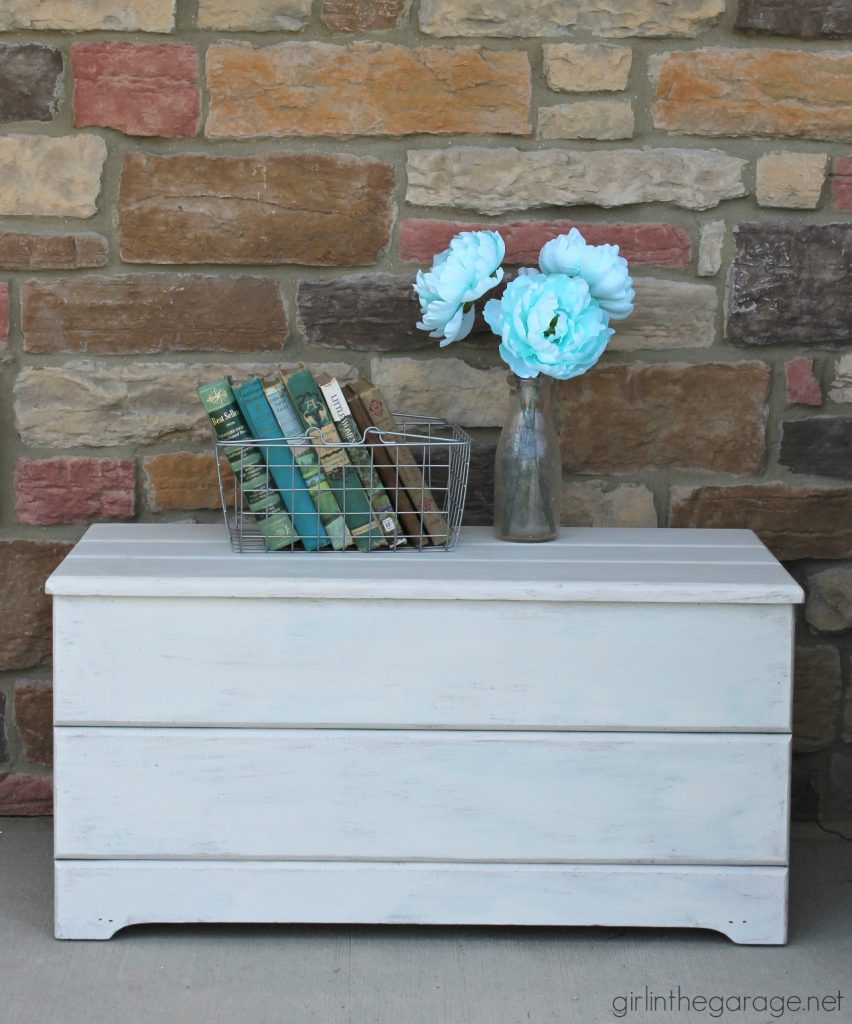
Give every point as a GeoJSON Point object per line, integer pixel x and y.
{"type": "Point", "coordinates": [247, 464]}
{"type": "Point", "coordinates": [314, 416]}
{"type": "Point", "coordinates": [282, 468]}
{"type": "Point", "coordinates": [306, 458]}
{"type": "Point", "coordinates": [361, 459]}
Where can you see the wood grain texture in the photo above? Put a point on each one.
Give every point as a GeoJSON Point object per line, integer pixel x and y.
{"type": "Point", "coordinates": [96, 899]}
{"type": "Point", "coordinates": [643, 565]}
{"type": "Point", "coordinates": [421, 795]}
{"type": "Point", "coordinates": [560, 666]}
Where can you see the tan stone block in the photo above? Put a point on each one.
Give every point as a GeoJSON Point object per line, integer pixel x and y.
{"type": "Point", "coordinates": [590, 119]}
{"type": "Point", "coordinates": [365, 89]}
{"type": "Point", "coordinates": [841, 386]}
{"type": "Point", "coordinates": [628, 417]}
{"type": "Point", "coordinates": [98, 404]}
{"type": "Point", "coordinates": [183, 480]}
{"type": "Point", "coordinates": [586, 67]}
{"type": "Point", "coordinates": [88, 15]}
{"type": "Point", "coordinates": [315, 209]}
{"type": "Point", "coordinates": [666, 315]}
{"type": "Point", "coordinates": [792, 180]}
{"type": "Point", "coordinates": [595, 503]}
{"type": "Point", "coordinates": [508, 18]}
{"type": "Point", "coordinates": [754, 92]}
{"type": "Point", "coordinates": [135, 313]}
{"type": "Point", "coordinates": [50, 177]}
{"type": "Point", "coordinates": [710, 242]}
{"type": "Point", "coordinates": [793, 522]}
{"type": "Point", "coordinates": [253, 15]}
{"type": "Point", "coordinates": [496, 181]}
{"type": "Point", "coordinates": [449, 388]}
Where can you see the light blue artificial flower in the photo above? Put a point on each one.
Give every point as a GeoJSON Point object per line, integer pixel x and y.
{"type": "Point", "coordinates": [599, 266]}
{"type": "Point", "coordinates": [459, 276]}
{"type": "Point", "coordinates": [548, 323]}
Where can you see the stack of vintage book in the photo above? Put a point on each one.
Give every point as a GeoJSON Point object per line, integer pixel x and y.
{"type": "Point", "coordinates": [318, 465]}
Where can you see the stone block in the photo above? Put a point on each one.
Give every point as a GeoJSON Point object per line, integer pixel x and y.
{"type": "Point", "coordinates": [446, 387]}
{"type": "Point", "coordinates": [846, 725]}
{"type": "Point", "coordinates": [182, 480]}
{"type": "Point", "coordinates": [816, 697]}
{"type": "Point", "coordinates": [791, 180]}
{"type": "Point", "coordinates": [479, 502]}
{"type": "Point", "coordinates": [668, 314]}
{"type": "Point", "coordinates": [789, 285]}
{"type": "Point", "coordinates": [808, 19]}
{"type": "Point", "coordinates": [628, 417]}
{"type": "Point", "coordinates": [88, 15]}
{"type": "Point", "coordinates": [4, 743]}
{"type": "Point", "coordinates": [793, 522]}
{"type": "Point", "coordinates": [86, 403]}
{"type": "Point", "coordinates": [34, 719]}
{"type": "Point", "coordinates": [363, 15]}
{"type": "Point", "coordinates": [253, 15]}
{"type": "Point", "coordinates": [25, 609]}
{"type": "Point", "coordinates": [586, 67]}
{"type": "Point", "coordinates": [74, 490]}
{"type": "Point", "coordinates": [801, 386]}
{"type": "Point", "coordinates": [316, 209]}
{"type": "Point", "coordinates": [663, 245]}
{"type": "Point", "coordinates": [497, 181]}
{"type": "Point", "coordinates": [136, 88]}
{"type": "Point", "coordinates": [613, 18]}
{"type": "Point", "coordinates": [365, 88]}
{"type": "Point", "coordinates": [136, 313]}
{"type": "Point", "coordinates": [783, 93]}
{"type": "Point", "coordinates": [818, 446]}
{"type": "Point", "coordinates": [829, 605]}
{"type": "Point", "coordinates": [805, 786]}
{"type": "Point", "coordinates": [362, 312]}
{"type": "Point", "coordinates": [599, 503]}
{"type": "Point", "coordinates": [4, 314]}
{"type": "Point", "coordinates": [45, 176]}
{"type": "Point", "coordinates": [25, 795]}
{"type": "Point", "coordinates": [841, 183]}
{"type": "Point", "coordinates": [30, 82]}
{"type": "Point", "coordinates": [841, 386]}
{"type": "Point", "coordinates": [587, 119]}
{"type": "Point", "coordinates": [710, 242]}
{"type": "Point", "coordinates": [837, 810]}
{"type": "Point", "coordinates": [22, 250]}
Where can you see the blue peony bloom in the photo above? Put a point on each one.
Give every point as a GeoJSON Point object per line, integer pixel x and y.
{"type": "Point", "coordinates": [548, 323]}
{"type": "Point", "coordinates": [599, 266]}
{"type": "Point", "coordinates": [459, 276]}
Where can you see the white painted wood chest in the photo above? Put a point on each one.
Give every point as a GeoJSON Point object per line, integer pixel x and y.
{"type": "Point", "coordinates": [590, 732]}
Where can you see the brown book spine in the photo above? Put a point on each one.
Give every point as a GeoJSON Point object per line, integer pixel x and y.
{"type": "Point", "coordinates": [409, 470]}
{"type": "Point", "coordinates": [388, 472]}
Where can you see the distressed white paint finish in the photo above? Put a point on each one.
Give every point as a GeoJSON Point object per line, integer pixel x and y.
{"type": "Point", "coordinates": [594, 731]}
{"type": "Point", "coordinates": [421, 664]}
{"type": "Point", "coordinates": [414, 795]}
{"type": "Point", "coordinates": [583, 565]}
{"type": "Point", "coordinates": [95, 899]}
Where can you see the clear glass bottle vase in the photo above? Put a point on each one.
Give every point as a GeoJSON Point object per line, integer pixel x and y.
{"type": "Point", "coordinates": [528, 470]}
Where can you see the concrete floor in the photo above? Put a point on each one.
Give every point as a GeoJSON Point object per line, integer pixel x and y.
{"type": "Point", "coordinates": [381, 975]}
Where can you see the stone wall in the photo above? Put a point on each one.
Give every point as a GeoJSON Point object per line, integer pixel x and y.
{"type": "Point", "coordinates": [224, 184]}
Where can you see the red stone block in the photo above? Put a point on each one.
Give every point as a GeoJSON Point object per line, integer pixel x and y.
{"type": "Point", "coordinates": [72, 490]}
{"type": "Point", "coordinates": [136, 88]}
{"type": "Point", "coordinates": [663, 245]}
{"type": "Point", "coordinates": [802, 386]}
{"type": "Point", "coordinates": [26, 794]}
{"type": "Point", "coordinates": [4, 312]}
{"type": "Point", "coordinates": [841, 183]}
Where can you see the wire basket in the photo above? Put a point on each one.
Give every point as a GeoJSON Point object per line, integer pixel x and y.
{"type": "Point", "coordinates": [402, 491]}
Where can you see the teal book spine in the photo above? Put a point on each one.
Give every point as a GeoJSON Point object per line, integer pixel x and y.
{"type": "Point", "coordinates": [282, 467]}
{"type": "Point", "coordinates": [228, 424]}
{"type": "Point", "coordinates": [309, 465]}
